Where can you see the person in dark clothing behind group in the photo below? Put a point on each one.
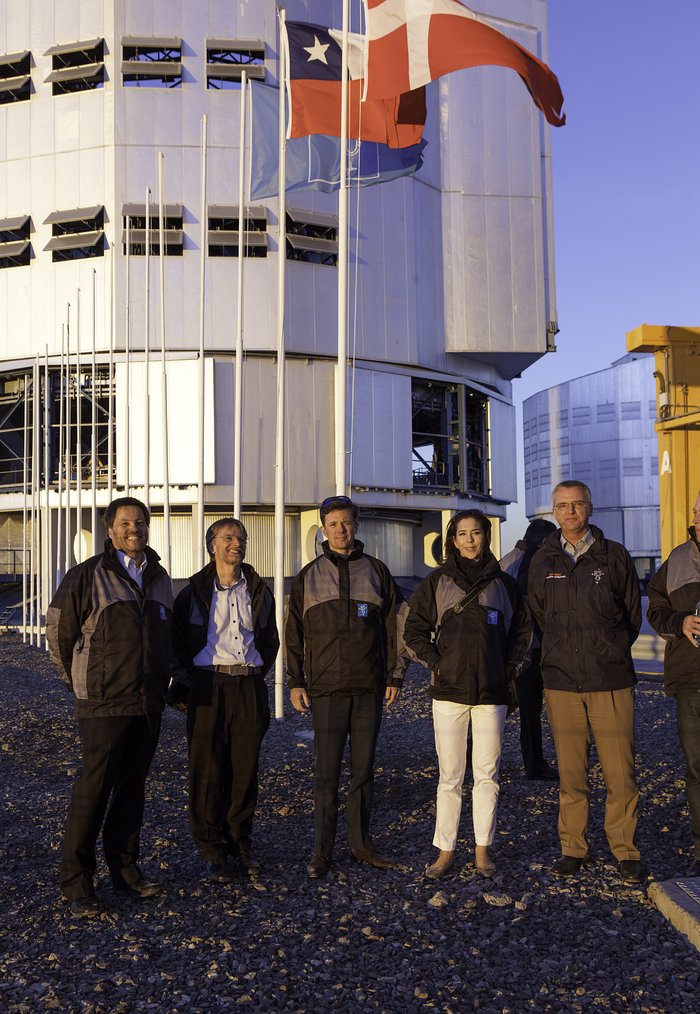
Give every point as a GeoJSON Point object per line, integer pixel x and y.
{"type": "Point", "coordinates": [674, 596]}
{"type": "Point", "coordinates": [343, 662]}
{"type": "Point", "coordinates": [226, 640]}
{"type": "Point", "coordinates": [529, 683]}
{"type": "Point", "coordinates": [108, 630]}
{"type": "Point", "coordinates": [584, 595]}
{"type": "Point", "coordinates": [469, 624]}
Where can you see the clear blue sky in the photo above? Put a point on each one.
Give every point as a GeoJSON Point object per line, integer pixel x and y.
{"type": "Point", "coordinates": [626, 183]}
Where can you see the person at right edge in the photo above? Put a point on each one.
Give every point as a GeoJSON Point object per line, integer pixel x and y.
{"type": "Point", "coordinates": [584, 595]}
{"type": "Point", "coordinates": [674, 596]}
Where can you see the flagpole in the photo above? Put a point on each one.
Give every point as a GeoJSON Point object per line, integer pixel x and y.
{"type": "Point", "coordinates": [46, 574]}
{"type": "Point", "coordinates": [78, 439]}
{"type": "Point", "coordinates": [163, 371]}
{"type": "Point", "coordinates": [68, 444]}
{"type": "Point", "coordinates": [147, 359]}
{"type": "Point", "coordinates": [279, 434]}
{"type": "Point", "coordinates": [127, 361]}
{"type": "Point", "coordinates": [61, 437]}
{"type": "Point", "coordinates": [238, 400]}
{"type": "Point", "coordinates": [35, 637]}
{"type": "Point", "coordinates": [93, 424]}
{"type": "Point", "coordinates": [24, 510]}
{"type": "Point", "coordinates": [341, 367]}
{"type": "Point", "coordinates": [111, 382]}
{"type": "Point", "coordinates": [199, 552]}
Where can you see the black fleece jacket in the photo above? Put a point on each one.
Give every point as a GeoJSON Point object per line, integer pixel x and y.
{"type": "Point", "coordinates": [589, 612]}
{"type": "Point", "coordinates": [473, 651]}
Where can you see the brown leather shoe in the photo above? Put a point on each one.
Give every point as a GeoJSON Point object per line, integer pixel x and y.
{"type": "Point", "coordinates": [318, 867]}
{"type": "Point", "coordinates": [371, 858]}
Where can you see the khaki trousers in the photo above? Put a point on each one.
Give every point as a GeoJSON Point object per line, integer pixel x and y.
{"type": "Point", "coordinates": [609, 717]}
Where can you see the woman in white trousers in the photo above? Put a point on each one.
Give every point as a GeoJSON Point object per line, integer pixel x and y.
{"type": "Point", "coordinates": [468, 623]}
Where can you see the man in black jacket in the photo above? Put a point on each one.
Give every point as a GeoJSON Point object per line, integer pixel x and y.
{"type": "Point", "coordinates": [226, 640]}
{"type": "Point", "coordinates": [584, 595]}
{"type": "Point", "coordinates": [529, 685]}
{"type": "Point", "coordinates": [674, 597]}
{"type": "Point", "coordinates": [108, 629]}
{"type": "Point", "coordinates": [342, 663]}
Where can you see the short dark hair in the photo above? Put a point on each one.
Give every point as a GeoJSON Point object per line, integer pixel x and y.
{"type": "Point", "coordinates": [124, 501]}
{"type": "Point", "coordinates": [221, 523]}
{"type": "Point", "coordinates": [338, 503]}
{"type": "Point", "coordinates": [538, 530]}
{"type": "Point", "coordinates": [569, 484]}
{"type": "Point", "coordinates": [484, 522]}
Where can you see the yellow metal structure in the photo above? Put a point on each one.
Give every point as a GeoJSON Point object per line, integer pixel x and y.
{"type": "Point", "coordinates": [677, 372]}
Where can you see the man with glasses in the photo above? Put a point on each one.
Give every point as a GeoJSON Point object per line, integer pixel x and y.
{"type": "Point", "coordinates": [343, 662]}
{"type": "Point", "coordinates": [226, 640]}
{"type": "Point", "coordinates": [108, 629]}
{"type": "Point", "coordinates": [584, 595]}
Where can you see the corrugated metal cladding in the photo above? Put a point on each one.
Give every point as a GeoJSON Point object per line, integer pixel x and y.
{"type": "Point", "coordinates": [261, 542]}
{"type": "Point", "coordinates": [599, 428]}
{"type": "Point", "coordinates": [391, 542]}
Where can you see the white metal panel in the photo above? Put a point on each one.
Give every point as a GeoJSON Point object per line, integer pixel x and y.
{"type": "Point", "coordinates": [310, 427]}
{"type": "Point", "coordinates": [309, 455]}
{"type": "Point", "coordinates": [181, 556]}
{"type": "Point", "coordinates": [504, 484]}
{"type": "Point", "coordinates": [391, 542]}
{"type": "Point", "coordinates": [183, 433]}
{"type": "Point", "coordinates": [381, 429]}
{"type": "Point", "coordinates": [17, 139]}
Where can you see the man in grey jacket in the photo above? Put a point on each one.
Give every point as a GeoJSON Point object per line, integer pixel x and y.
{"type": "Point", "coordinates": [108, 629]}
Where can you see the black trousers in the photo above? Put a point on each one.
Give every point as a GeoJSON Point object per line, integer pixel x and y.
{"type": "Point", "coordinates": [227, 718]}
{"type": "Point", "coordinates": [335, 718]}
{"type": "Point", "coordinates": [530, 694]}
{"type": "Point", "coordinates": [117, 754]}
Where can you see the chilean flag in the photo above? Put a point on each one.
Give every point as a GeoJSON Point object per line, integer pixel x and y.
{"type": "Point", "coordinates": [412, 42]}
{"type": "Point", "coordinates": [314, 61]}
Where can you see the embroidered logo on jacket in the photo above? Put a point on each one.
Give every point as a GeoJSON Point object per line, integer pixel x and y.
{"type": "Point", "coordinates": [598, 575]}
{"type": "Point", "coordinates": [554, 574]}
{"type": "Point", "coordinates": [362, 609]}
{"type": "Point", "coordinates": [492, 616]}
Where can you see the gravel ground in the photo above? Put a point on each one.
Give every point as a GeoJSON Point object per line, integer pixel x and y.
{"type": "Point", "coordinates": [362, 940]}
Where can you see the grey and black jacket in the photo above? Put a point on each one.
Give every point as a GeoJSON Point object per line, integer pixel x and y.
{"type": "Point", "coordinates": [473, 651]}
{"type": "Point", "coordinates": [110, 640]}
{"type": "Point", "coordinates": [192, 609]}
{"type": "Point", "coordinates": [589, 612]}
{"type": "Point", "coordinates": [342, 629]}
{"type": "Point", "coordinates": [674, 592]}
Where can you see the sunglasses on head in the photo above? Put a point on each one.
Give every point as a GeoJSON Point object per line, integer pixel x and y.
{"type": "Point", "coordinates": [337, 501]}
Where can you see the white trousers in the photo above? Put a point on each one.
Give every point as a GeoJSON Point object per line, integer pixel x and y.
{"type": "Point", "coordinates": [451, 725]}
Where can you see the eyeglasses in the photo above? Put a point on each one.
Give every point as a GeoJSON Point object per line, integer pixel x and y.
{"type": "Point", "coordinates": [578, 505]}
{"type": "Point", "coordinates": [337, 501]}
{"type": "Point", "coordinates": [228, 539]}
